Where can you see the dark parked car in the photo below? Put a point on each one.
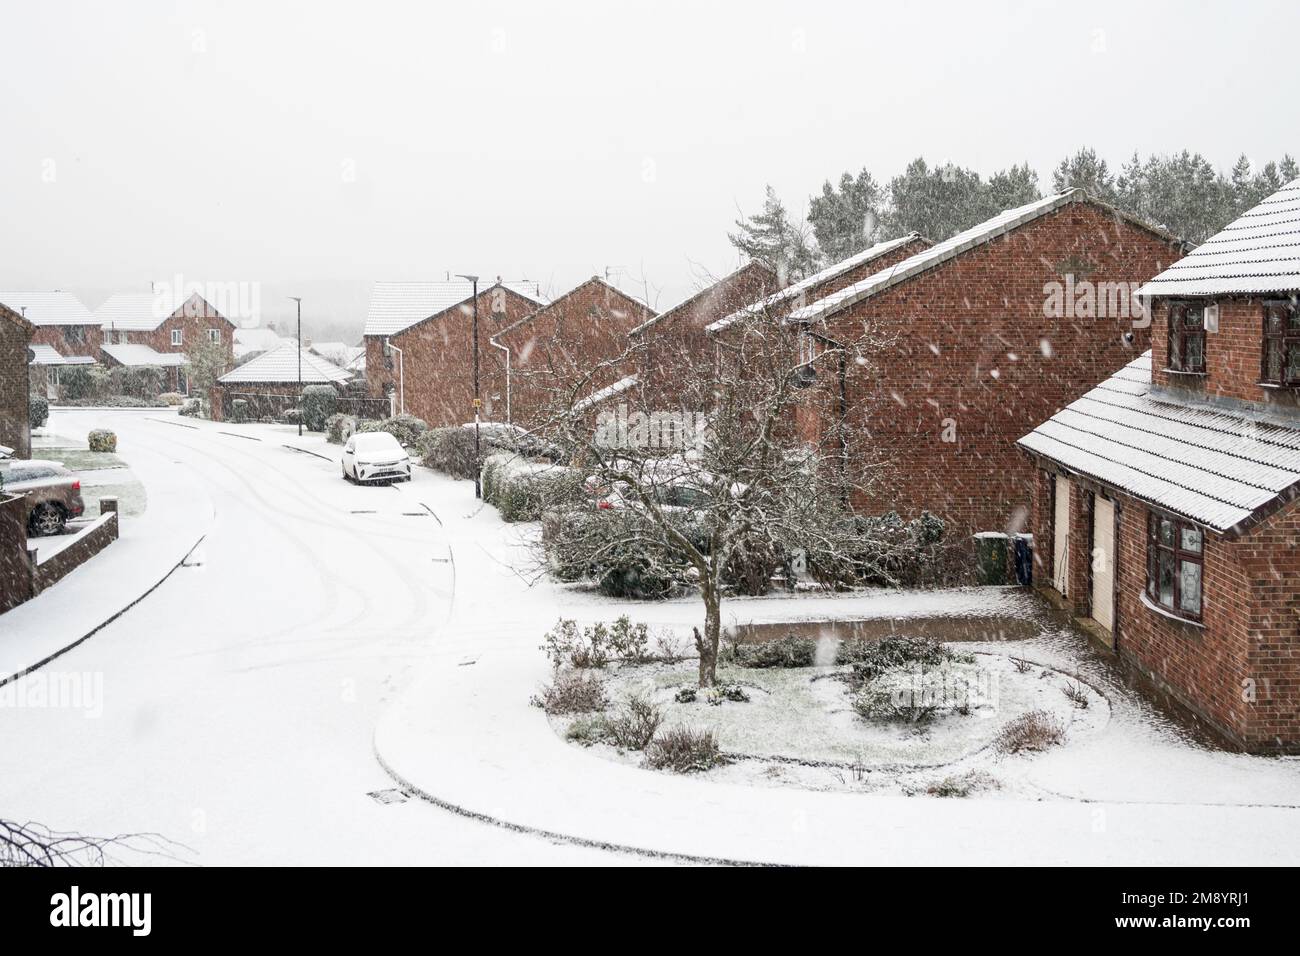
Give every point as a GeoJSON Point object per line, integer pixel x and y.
{"type": "Point", "coordinates": [51, 493]}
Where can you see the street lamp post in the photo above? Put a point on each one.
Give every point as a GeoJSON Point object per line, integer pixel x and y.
{"type": "Point", "coordinates": [478, 403]}
{"type": "Point", "coordinates": [298, 299]}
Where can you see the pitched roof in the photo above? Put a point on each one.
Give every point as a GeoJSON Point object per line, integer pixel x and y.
{"type": "Point", "coordinates": [256, 340]}
{"type": "Point", "coordinates": [49, 355]}
{"type": "Point", "coordinates": [136, 355]}
{"type": "Point", "coordinates": [144, 311]}
{"type": "Point", "coordinates": [280, 365]}
{"type": "Point", "coordinates": [396, 306]}
{"type": "Point", "coordinates": [940, 253]}
{"type": "Point", "coordinates": [554, 303]}
{"type": "Point", "coordinates": [793, 294]}
{"type": "Point", "coordinates": [1217, 468]}
{"type": "Point", "coordinates": [49, 308]}
{"type": "Point", "coordinates": [752, 265]}
{"type": "Point", "coordinates": [1258, 252]}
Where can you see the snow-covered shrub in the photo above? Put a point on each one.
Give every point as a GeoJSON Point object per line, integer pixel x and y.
{"type": "Point", "coordinates": [597, 644]}
{"type": "Point", "coordinates": [725, 690]}
{"type": "Point", "coordinates": [629, 642]}
{"type": "Point", "coordinates": [751, 565]}
{"type": "Point", "coordinates": [290, 416]}
{"type": "Point", "coordinates": [239, 410]}
{"type": "Point", "coordinates": [38, 410]}
{"type": "Point", "coordinates": [871, 658]}
{"type": "Point", "coordinates": [684, 750]}
{"type": "Point", "coordinates": [172, 398]}
{"type": "Point", "coordinates": [634, 726]}
{"type": "Point", "coordinates": [916, 692]}
{"type": "Point", "coordinates": [102, 439]}
{"type": "Point", "coordinates": [522, 490]}
{"type": "Point", "coordinates": [193, 408]}
{"type": "Point", "coordinates": [572, 692]}
{"type": "Point", "coordinates": [613, 548]}
{"type": "Point", "coordinates": [962, 785]}
{"type": "Point", "coordinates": [339, 428]}
{"type": "Point", "coordinates": [317, 404]}
{"type": "Point", "coordinates": [1036, 730]}
{"type": "Point", "coordinates": [407, 429]}
{"type": "Point", "coordinates": [894, 553]}
{"type": "Point", "coordinates": [588, 729]}
{"type": "Point", "coordinates": [449, 450]}
{"type": "Point", "coordinates": [687, 695]}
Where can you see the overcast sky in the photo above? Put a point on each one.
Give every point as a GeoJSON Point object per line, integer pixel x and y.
{"type": "Point", "coordinates": [316, 147]}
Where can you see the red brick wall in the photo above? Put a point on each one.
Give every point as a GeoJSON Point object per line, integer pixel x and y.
{"type": "Point", "coordinates": [15, 430]}
{"type": "Point", "coordinates": [192, 320]}
{"type": "Point", "coordinates": [1233, 357]}
{"type": "Point", "coordinates": [972, 353]}
{"type": "Point", "coordinates": [70, 340]}
{"type": "Point", "coordinates": [560, 349]}
{"type": "Point", "coordinates": [1250, 627]}
{"type": "Point", "coordinates": [437, 360]}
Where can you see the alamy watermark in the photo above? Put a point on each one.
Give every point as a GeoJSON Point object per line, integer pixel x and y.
{"type": "Point", "coordinates": [655, 430]}
{"type": "Point", "coordinates": [56, 690]}
{"type": "Point", "coordinates": [237, 301]}
{"type": "Point", "coordinates": [1084, 299]}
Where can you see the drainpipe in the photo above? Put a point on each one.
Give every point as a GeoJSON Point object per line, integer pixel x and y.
{"type": "Point", "coordinates": [401, 376]}
{"type": "Point", "coordinates": [492, 340]}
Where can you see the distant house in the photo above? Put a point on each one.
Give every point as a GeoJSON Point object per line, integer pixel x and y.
{"type": "Point", "coordinates": [340, 353]}
{"type": "Point", "coordinates": [419, 347]}
{"type": "Point", "coordinates": [65, 333]}
{"type": "Point", "coordinates": [272, 381]}
{"type": "Point", "coordinates": [983, 335]}
{"type": "Point", "coordinates": [15, 337]}
{"type": "Point", "coordinates": [570, 343]}
{"type": "Point", "coordinates": [251, 342]}
{"type": "Point", "coordinates": [172, 364]}
{"type": "Point", "coordinates": [149, 319]}
{"type": "Point", "coordinates": [1165, 498]}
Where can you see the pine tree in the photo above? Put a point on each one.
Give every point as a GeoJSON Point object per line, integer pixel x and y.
{"type": "Point", "coordinates": [847, 220]}
{"type": "Point", "coordinates": [770, 238]}
{"type": "Point", "coordinates": [937, 203]}
{"type": "Point", "coordinates": [1087, 171]}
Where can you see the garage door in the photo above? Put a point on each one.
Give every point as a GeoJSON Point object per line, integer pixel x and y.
{"type": "Point", "coordinates": [1061, 535]}
{"type": "Point", "coordinates": [1103, 562]}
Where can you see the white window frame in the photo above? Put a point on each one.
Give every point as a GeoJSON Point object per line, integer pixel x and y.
{"type": "Point", "coordinates": [214, 336]}
{"type": "Point", "coordinates": [177, 336]}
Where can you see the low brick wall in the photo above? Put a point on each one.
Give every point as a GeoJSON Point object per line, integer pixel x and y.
{"type": "Point", "coordinates": [88, 543]}
{"type": "Point", "coordinates": [15, 566]}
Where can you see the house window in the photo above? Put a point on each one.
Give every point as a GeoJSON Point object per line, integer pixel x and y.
{"type": "Point", "coordinates": [1175, 558]}
{"type": "Point", "coordinates": [1281, 360]}
{"type": "Point", "coordinates": [176, 336]}
{"type": "Point", "coordinates": [214, 335]}
{"type": "Point", "coordinates": [76, 335]}
{"type": "Point", "coordinates": [1186, 337]}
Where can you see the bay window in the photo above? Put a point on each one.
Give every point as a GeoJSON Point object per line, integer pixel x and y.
{"type": "Point", "coordinates": [1281, 358]}
{"type": "Point", "coordinates": [1175, 560]}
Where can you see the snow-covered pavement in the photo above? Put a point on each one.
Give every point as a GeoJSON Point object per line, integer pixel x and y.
{"type": "Point", "coordinates": [239, 698]}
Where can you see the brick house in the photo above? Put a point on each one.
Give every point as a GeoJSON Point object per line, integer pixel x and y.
{"type": "Point", "coordinates": [273, 381]}
{"type": "Point", "coordinates": [150, 321]}
{"type": "Point", "coordinates": [570, 343]}
{"type": "Point", "coordinates": [419, 345]}
{"type": "Point", "coordinates": [1165, 498]}
{"type": "Point", "coordinates": [983, 336]}
{"type": "Point", "coordinates": [64, 333]}
{"type": "Point", "coordinates": [15, 337]}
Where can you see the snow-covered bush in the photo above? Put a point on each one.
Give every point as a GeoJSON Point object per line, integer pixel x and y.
{"type": "Point", "coordinates": [290, 416]}
{"type": "Point", "coordinates": [613, 548]}
{"type": "Point", "coordinates": [587, 729]}
{"type": "Point", "coordinates": [788, 651]}
{"type": "Point", "coordinates": [339, 428]}
{"type": "Point", "coordinates": [895, 553]}
{"type": "Point", "coordinates": [38, 410]}
{"type": "Point", "coordinates": [172, 398]}
{"type": "Point", "coordinates": [522, 490]}
{"type": "Point", "coordinates": [597, 644]}
{"type": "Point", "coordinates": [572, 692]}
{"type": "Point", "coordinates": [1036, 730]}
{"type": "Point", "coordinates": [634, 726]}
{"type": "Point", "coordinates": [684, 750]}
{"type": "Point", "coordinates": [870, 659]}
{"type": "Point", "coordinates": [407, 429]}
{"type": "Point", "coordinates": [193, 408]}
{"type": "Point", "coordinates": [317, 403]}
{"type": "Point", "coordinates": [751, 565]}
{"type": "Point", "coordinates": [102, 439]}
{"type": "Point", "coordinates": [449, 450]}
{"type": "Point", "coordinates": [239, 410]}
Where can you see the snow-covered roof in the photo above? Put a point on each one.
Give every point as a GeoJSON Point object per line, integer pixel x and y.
{"type": "Point", "coordinates": [358, 362]}
{"type": "Point", "coordinates": [793, 294]}
{"type": "Point", "coordinates": [941, 252]}
{"type": "Point", "coordinates": [49, 308]}
{"type": "Point", "coordinates": [1215, 467]}
{"type": "Point", "coordinates": [395, 306]}
{"type": "Point", "coordinates": [1258, 252]}
{"type": "Point", "coordinates": [691, 299]}
{"type": "Point", "coordinates": [134, 354]}
{"type": "Point", "coordinates": [606, 393]}
{"type": "Point", "coordinates": [247, 341]}
{"type": "Point", "coordinates": [280, 365]}
{"type": "Point", "coordinates": [49, 355]}
{"type": "Point", "coordinates": [133, 312]}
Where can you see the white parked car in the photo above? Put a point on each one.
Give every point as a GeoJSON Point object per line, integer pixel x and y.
{"type": "Point", "coordinates": [375, 456]}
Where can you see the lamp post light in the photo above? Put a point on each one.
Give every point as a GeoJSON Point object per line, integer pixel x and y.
{"type": "Point", "coordinates": [298, 299]}
{"type": "Point", "coordinates": [478, 402]}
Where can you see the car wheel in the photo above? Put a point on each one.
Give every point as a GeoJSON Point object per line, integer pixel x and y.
{"type": "Point", "coordinates": [46, 519]}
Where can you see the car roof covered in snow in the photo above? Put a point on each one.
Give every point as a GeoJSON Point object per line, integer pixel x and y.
{"type": "Point", "coordinates": [1221, 469]}
{"type": "Point", "coordinates": [396, 306]}
{"type": "Point", "coordinates": [1258, 252]}
{"type": "Point", "coordinates": [942, 252]}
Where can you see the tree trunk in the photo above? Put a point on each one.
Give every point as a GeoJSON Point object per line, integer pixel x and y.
{"type": "Point", "coordinates": [707, 644]}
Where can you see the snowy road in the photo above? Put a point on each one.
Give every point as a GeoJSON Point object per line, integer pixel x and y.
{"type": "Point", "coordinates": [240, 697]}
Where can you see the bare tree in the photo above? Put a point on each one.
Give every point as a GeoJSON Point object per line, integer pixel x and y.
{"type": "Point", "coordinates": [32, 844]}
{"type": "Point", "coordinates": [726, 455]}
